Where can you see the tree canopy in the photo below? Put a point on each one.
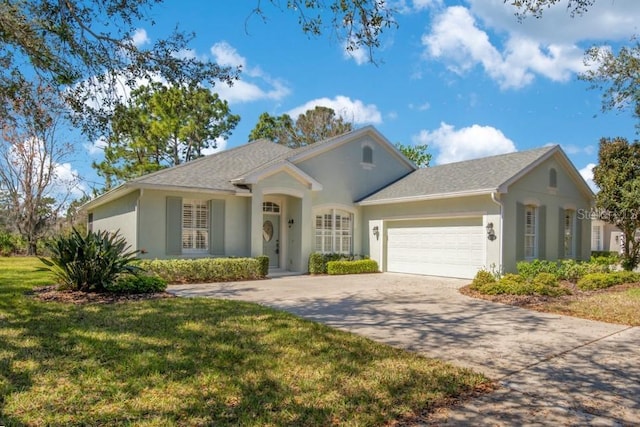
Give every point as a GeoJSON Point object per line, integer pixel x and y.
{"type": "Point", "coordinates": [310, 127]}
{"type": "Point", "coordinates": [32, 191]}
{"type": "Point", "coordinates": [416, 153]}
{"type": "Point", "coordinates": [617, 174]}
{"type": "Point", "coordinates": [617, 75]}
{"type": "Point", "coordinates": [162, 126]}
{"type": "Point", "coordinates": [537, 7]}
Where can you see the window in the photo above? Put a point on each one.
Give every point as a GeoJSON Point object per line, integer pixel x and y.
{"type": "Point", "coordinates": [195, 226]}
{"type": "Point", "coordinates": [568, 233]}
{"type": "Point", "coordinates": [270, 207]}
{"type": "Point", "coordinates": [334, 231]}
{"type": "Point", "coordinates": [596, 237]}
{"type": "Point", "coordinates": [367, 154]}
{"type": "Point", "coordinates": [530, 232]}
{"type": "Point", "coordinates": [90, 221]}
{"type": "Point", "coordinates": [553, 178]}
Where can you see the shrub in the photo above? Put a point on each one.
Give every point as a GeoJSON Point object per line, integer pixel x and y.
{"type": "Point", "coordinates": [205, 270]}
{"type": "Point", "coordinates": [604, 258]}
{"type": "Point", "coordinates": [514, 284]}
{"type": "Point", "coordinates": [264, 265]}
{"type": "Point", "coordinates": [545, 279]}
{"type": "Point", "coordinates": [595, 281]}
{"type": "Point", "coordinates": [8, 244]}
{"type": "Point", "coordinates": [481, 278]}
{"type": "Point", "coordinates": [352, 267]}
{"type": "Point", "coordinates": [90, 262]}
{"type": "Point", "coordinates": [140, 284]}
{"type": "Point", "coordinates": [530, 269]}
{"type": "Point", "coordinates": [318, 261]}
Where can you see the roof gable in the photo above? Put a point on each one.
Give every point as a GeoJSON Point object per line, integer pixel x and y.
{"type": "Point", "coordinates": [477, 176]}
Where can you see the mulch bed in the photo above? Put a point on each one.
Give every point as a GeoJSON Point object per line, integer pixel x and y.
{"type": "Point", "coordinates": [51, 293]}
{"type": "Point", "coordinates": [534, 302]}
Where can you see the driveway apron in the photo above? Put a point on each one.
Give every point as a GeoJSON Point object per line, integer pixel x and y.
{"type": "Point", "coordinates": [553, 370]}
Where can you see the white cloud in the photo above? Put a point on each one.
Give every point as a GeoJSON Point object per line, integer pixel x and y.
{"type": "Point", "coordinates": [466, 143]}
{"type": "Point", "coordinates": [67, 179]}
{"type": "Point", "coordinates": [421, 107]}
{"type": "Point", "coordinates": [221, 145]}
{"type": "Point", "coordinates": [359, 55]}
{"type": "Point", "coordinates": [140, 37]}
{"type": "Point", "coordinates": [251, 86]}
{"type": "Point", "coordinates": [456, 39]}
{"type": "Point", "coordinates": [227, 56]}
{"type": "Point", "coordinates": [605, 20]}
{"type": "Point", "coordinates": [96, 148]}
{"type": "Point", "coordinates": [413, 6]}
{"type": "Point", "coordinates": [575, 149]}
{"type": "Point", "coordinates": [244, 91]}
{"type": "Point", "coordinates": [587, 174]}
{"type": "Point", "coordinates": [350, 110]}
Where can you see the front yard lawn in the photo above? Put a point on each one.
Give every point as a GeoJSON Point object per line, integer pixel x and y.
{"type": "Point", "coordinates": [199, 362]}
{"type": "Point", "coordinates": [618, 304]}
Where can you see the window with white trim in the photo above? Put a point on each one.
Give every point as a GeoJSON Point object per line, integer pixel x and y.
{"type": "Point", "coordinates": [596, 237]}
{"type": "Point", "coordinates": [568, 233]}
{"type": "Point", "coordinates": [270, 207]}
{"type": "Point", "coordinates": [334, 231]}
{"type": "Point", "coordinates": [530, 232]}
{"type": "Point", "coordinates": [195, 226]}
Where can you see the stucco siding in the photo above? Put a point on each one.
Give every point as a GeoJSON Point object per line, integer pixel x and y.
{"type": "Point", "coordinates": [480, 208]}
{"type": "Point", "coordinates": [534, 189]}
{"type": "Point", "coordinates": [118, 215]}
{"type": "Point", "coordinates": [153, 218]}
{"type": "Point", "coordinates": [345, 178]}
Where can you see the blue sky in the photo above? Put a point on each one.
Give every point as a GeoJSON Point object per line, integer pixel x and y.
{"type": "Point", "coordinates": [464, 77]}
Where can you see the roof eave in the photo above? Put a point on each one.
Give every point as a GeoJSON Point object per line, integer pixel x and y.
{"type": "Point", "coordinates": [284, 166]}
{"type": "Point", "coordinates": [426, 197]}
{"type": "Point", "coordinates": [127, 188]}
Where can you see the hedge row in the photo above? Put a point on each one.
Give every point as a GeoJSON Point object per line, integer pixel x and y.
{"type": "Point", "coordinates": [595, 281]}
{"type": "Point", "coordinates": [142, 284]}
{"type": "Point", "coordinates": [207, 269]}
{"type": "Point", "coordinates": [352, 267]}
{"type": "Point", "coordinates": [515, 284]}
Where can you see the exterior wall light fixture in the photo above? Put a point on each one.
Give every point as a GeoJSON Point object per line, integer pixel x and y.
{"type": "Point", "coordinates": [491, 234]}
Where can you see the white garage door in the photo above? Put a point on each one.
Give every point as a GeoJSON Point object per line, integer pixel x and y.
{"type": "Point", "coordinates": [450, 248]}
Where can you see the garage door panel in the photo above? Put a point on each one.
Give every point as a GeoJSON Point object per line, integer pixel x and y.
{"type": "Point", "coordinates": [455, 251]}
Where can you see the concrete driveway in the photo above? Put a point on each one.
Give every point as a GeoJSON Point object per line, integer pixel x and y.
{"type": "Point", "coordinates": [553, 370]}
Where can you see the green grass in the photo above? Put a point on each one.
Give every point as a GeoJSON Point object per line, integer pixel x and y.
{"type": "Point", "coordinates": [198, 362]}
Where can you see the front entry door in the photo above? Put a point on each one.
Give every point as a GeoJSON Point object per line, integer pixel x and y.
{"type": "Point", "coordinates": [271, 239]}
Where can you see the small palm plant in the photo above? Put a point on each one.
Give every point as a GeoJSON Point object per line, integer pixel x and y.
{"type": "Point", "coordinates": [91, 262]}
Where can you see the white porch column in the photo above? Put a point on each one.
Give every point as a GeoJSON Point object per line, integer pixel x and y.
{"type": "Point", "coordinates": [306, 235]}
{"type": "Point", "coordinates": [256, 221]}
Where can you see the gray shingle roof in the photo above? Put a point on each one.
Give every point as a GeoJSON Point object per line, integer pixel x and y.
{"type": "Point", "coordinates": [215, 172]}
{"type": "Point", "coordinates": [478, 175]}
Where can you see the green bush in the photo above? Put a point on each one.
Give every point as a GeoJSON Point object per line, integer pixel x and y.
{"type": "Point", "coordinates": [514, 284]}
{"type": "Point", "coordinates": [595, 281]}
{"type": "Point", "coordinates": [205, 270]}
{"type": "Point", "coordinates": [352, 267]}
{"type": "Point", "coordinates": [318, 261]}
{"type": "Point", "coordinates": [545, 279]}
{"type": "Point", "coordinates": [140, 284]}
{"type": "Point", "coordinates": [482, 278]}
{"type": "Point", "coordinates": [530, 269]}
{"type": "Point", "coordinates": [8, 244]}
{"type": "Point", "coordinates": [90, 262]}
{"type": "Point", "coordinates": [264, 265]}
